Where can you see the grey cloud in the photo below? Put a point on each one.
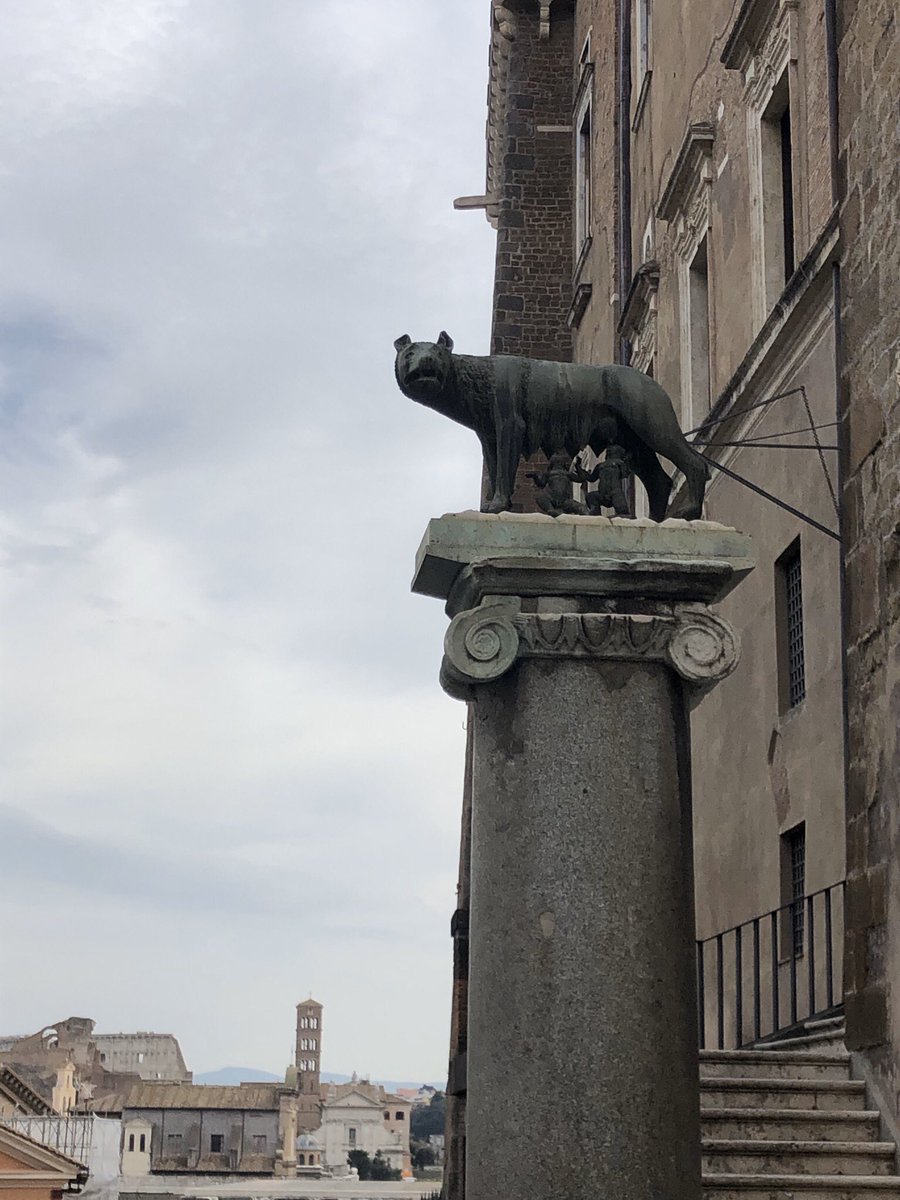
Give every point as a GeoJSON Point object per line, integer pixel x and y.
{"type": "Point", "coordinates": [215, 218]}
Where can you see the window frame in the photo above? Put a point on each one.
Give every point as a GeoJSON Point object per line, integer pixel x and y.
{"type": "Point", "coordinates": [790, 629]}
{"type": "Point", "coordinates": [793, 893]}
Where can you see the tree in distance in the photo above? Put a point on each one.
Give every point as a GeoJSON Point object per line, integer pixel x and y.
{"type": "Point", "coordinates": [427, 1119]}
{"type": "Point", "coordinates": [372, 1168]}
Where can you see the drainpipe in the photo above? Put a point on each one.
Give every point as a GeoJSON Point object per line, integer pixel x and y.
{"type": "Point", "coordinates": [831, 52]}
{"type": "Point", "coordinates": [623, 164]}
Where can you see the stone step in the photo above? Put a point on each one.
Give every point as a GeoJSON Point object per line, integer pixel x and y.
{"type": "Point", "coordinates": [790, 1125]}
{"type": "Point", "coordinates": [798, 1158]}
{"type": "Point", "coordinates": [801, 1187]}
{"type": "Point", "coordinates": [773, 1064]}
{"type": "Point", "coordinates": [826, 1094]}
{"type": "Point", "coordinates": [825, 1023]}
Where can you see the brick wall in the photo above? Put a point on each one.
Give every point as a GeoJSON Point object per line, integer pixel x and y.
{"type": "Point", "coordinates": [869, 57]}
{"type": "Point", "coordinates": [533, 275]}
{"type": "Point", "coordinates": [533, 280]}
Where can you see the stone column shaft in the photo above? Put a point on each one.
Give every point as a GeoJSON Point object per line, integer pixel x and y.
{"type": "Point", "coordinates": [582, 1015]}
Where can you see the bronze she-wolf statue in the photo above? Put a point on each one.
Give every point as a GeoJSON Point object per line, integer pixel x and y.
{"type": "Point", "coordinates": [518, 406]}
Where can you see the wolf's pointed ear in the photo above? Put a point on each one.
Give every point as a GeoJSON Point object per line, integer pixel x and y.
{"type": "Point", "coordinates": [444, 339]}
{"type": "Point", "coordinates": [402, 342]}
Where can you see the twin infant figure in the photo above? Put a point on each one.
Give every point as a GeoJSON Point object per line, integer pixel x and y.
{"type": "Point", "coordinates": [555, 484]}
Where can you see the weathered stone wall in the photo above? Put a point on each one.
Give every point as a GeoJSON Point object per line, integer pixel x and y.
{"type": "Point", "coordinates": [758, 771]}
{"type": "Point", "coordinates": [869, 56]}
{"type": "Point", "coordinates": [595, 336]}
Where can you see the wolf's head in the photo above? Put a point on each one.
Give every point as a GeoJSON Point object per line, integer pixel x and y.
{"type": "Point", "coordinates": [422, 368]}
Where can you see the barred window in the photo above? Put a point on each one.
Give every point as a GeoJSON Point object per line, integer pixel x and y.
{"type": "Point", "coordinates": [793, 886]}
{"type": "Point", "coordinates": [796, 664]}
{"type": "Point", "coordinates": [791, 653]}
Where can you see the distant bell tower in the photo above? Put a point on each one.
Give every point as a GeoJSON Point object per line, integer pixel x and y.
{"type": "Point", "coordinates": [309, 1046]}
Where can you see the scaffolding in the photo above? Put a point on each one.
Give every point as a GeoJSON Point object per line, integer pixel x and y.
{"type": "Point", "coordinates": [70, 1136]}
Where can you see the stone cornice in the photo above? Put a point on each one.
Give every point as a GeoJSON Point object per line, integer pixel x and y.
{"type": "Point", "coordinates": [697, 146]}
{"type": "Point", "coordinates": [504, 28]}
{"type": "Point", "coordinates": [643, 287]}
{"type": "Point", "coordinates": [503, 34]}
{"type": "Point", "coordinates": [749, 30]}
{"type": "Point", "coordinates": [581, 298]}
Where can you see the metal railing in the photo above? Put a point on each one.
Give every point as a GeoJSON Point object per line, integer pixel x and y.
{"type": "Point", "coordinates": [773, 972]}
{"type": "Point", "coordinates": [71, 1136]}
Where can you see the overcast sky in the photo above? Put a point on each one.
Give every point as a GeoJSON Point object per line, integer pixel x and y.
{"type": "Point", "coordinates": [229, 776]}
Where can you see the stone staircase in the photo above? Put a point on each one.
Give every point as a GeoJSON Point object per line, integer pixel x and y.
{"type": "Point", "coordinates": [787, 1121]}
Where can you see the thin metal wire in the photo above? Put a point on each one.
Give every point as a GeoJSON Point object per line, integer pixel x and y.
{"type": "Point", "coordinates": [801, 390]}
{"type": "Point", "coordinates": [791, 432]}
{"type": "Point", "coordinates": [750, 408]}
{"type": "Point", "coordinates": [766, 445]}
{"type": "Point", "coordinates": [754, 487]}
{"type": "Point", "coordinates": [809, 417]}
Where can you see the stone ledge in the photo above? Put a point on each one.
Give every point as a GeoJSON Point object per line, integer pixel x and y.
{"type": "Point", "coordinates": [472, 554]}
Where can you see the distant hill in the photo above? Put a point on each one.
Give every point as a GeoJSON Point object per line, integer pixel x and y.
{"type": "Point", "coordinates": [230, 1076]}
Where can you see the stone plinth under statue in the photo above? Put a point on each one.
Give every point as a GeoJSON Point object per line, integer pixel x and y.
{"type": "Point", "coordinates": [578, 643]}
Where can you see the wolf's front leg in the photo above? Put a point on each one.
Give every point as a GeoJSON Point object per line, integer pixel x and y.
{"type": "Point", "coordinates": [509, 451]}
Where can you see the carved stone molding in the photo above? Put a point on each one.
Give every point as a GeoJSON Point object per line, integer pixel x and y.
{"type": "Point", "coordinates": [483, 644]}
{"type": "Point", "coordinates": [692, 163]}
{"type": "Point", "coordinates": [764, 65]}
{"type": "Point", "coordinates": [752, 31]}
{"type": "Point", "coordinates": [704, 648]}
{"type": "Point", "coordinates": [504, 30]}
{"type": "Point", "coordinates": [639, 316]}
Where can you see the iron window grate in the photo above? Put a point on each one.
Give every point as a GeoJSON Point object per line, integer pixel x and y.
{"type": "Point", "coordinates": [796, 659]}
{"type": "Point", "coordinates": [797, 839]}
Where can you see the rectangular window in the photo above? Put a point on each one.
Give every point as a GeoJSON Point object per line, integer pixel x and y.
{"type": "Point", "coordinates": [698, 300]}
{"type": "Point", "coordinates": [259, 1143]}
{"type": "Point", "coordinates": [793, 891]}
{"type": "Point", "coordinates": [642, 38]}
{"type": "Point", "coordinates": [173, 1143]}
{"type": "Point", "coordinates": [131, 1141]}
{"type": "Point", "coordinates": [777, 191]}
{"type": "Point", "coordinates": [787, 191]}
{"type": "Point", "coordinates": [216, 1143]}
{"type": "Point", "coordinates": [789, 617]}
{"type": "Point", "coordinates": [583, 175]}
{"type": "Point", "coordinates": [143, 1142]}
{"type": "Point", "coordinates": [351, 1136]}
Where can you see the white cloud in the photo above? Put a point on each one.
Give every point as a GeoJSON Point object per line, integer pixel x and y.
{"type": "Point", "coordinates": [225, 758]}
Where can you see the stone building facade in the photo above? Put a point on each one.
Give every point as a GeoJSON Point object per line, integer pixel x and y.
{"type": "Point", "coordinates": [295, 1129]}
{"type": "Point", "coordinates": [147, 1055]}
{"type": "Point", "coordinates": [181, 1129]}
{"type": "Point", "coordinates": [95, 1062]}
{"type": "Point", "coordinates": [869, 160]}
{"type": "Point", "coordinates": [362, 1116]}
{"type": "Point", "coordinates": [726, 221]}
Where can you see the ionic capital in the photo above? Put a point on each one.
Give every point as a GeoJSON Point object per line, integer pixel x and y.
{"type": "Point", "coordinates": [482, 644]}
